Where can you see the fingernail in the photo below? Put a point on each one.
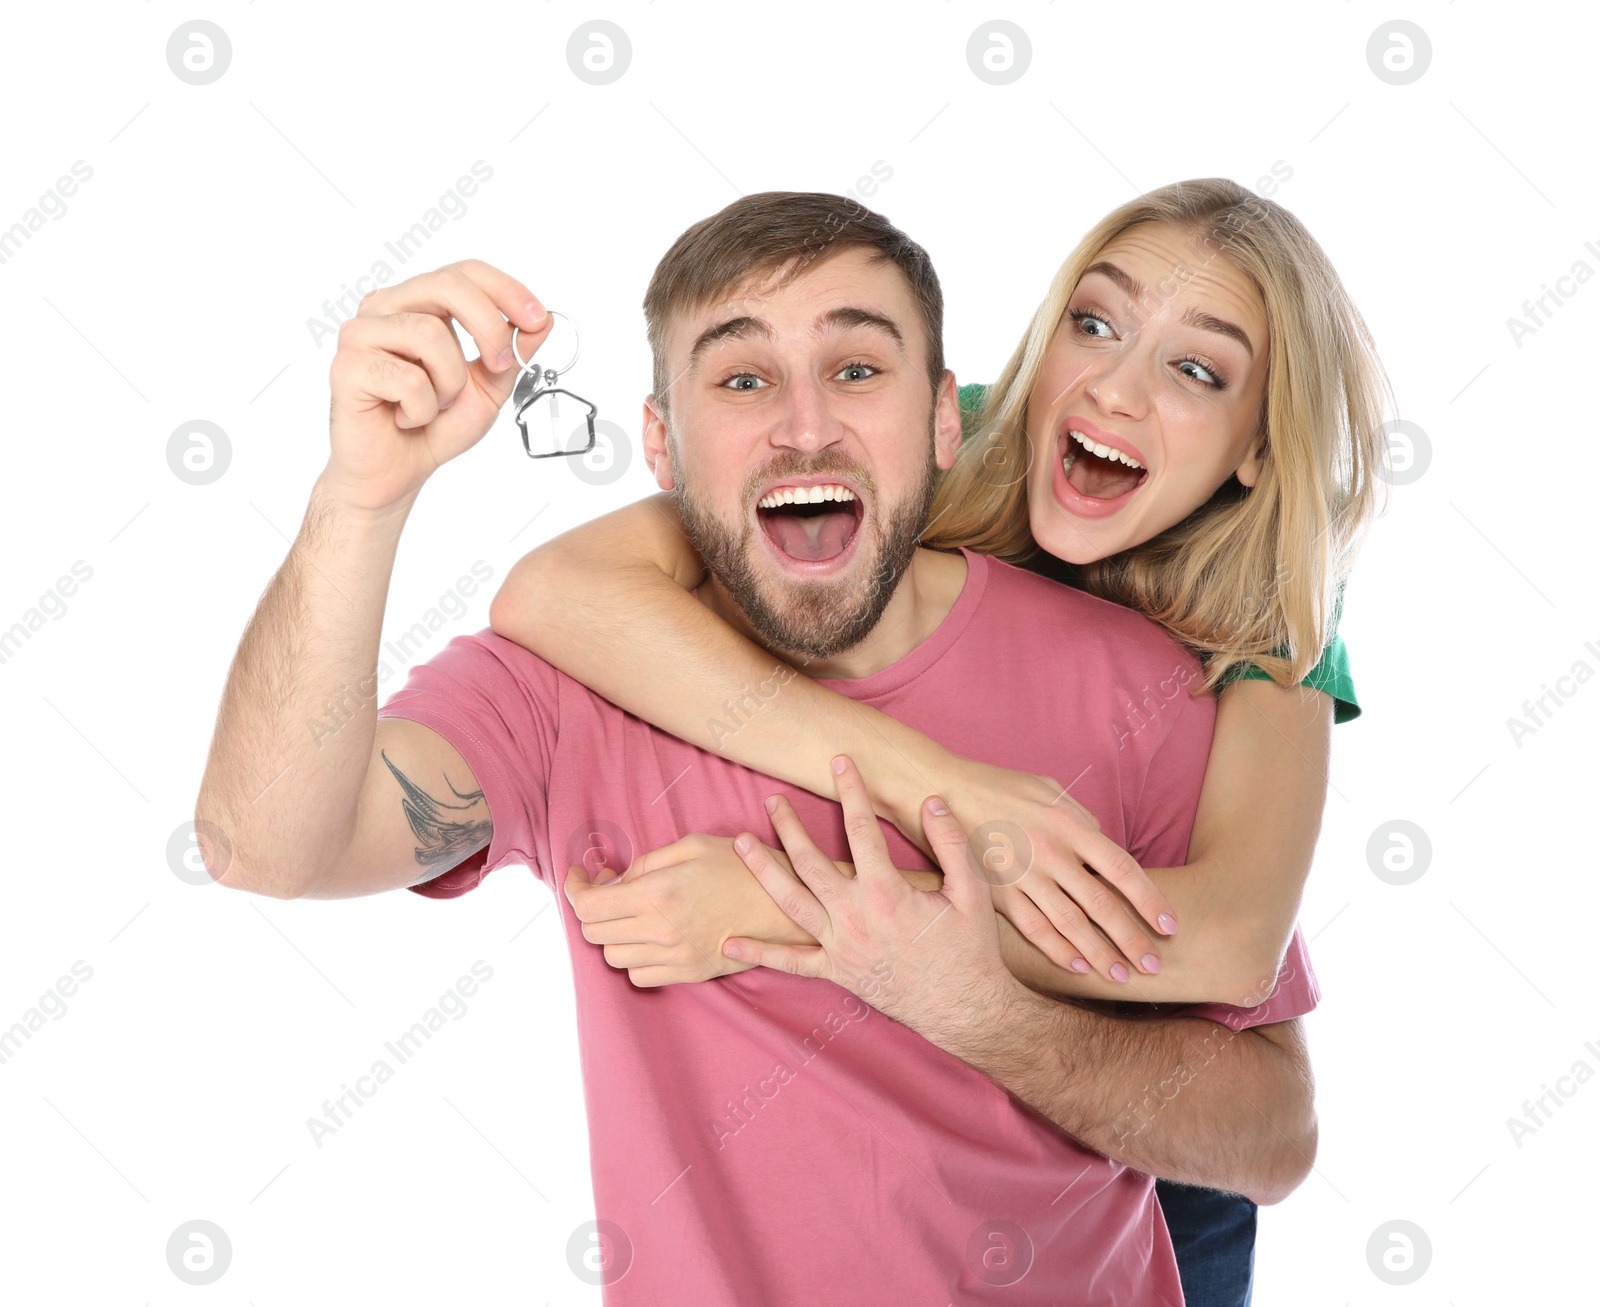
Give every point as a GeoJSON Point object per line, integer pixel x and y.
{"type": "Point", "coordinates": [742, 844]}
{"type": "Point", "coordinates": [772, 803]}
{"type": "Point", "coordinates": [1151, 963]}
{"type": "Point", "coordinates": [504, 361]}
{"type": "Point", "coordinates": [1119, 973]}
{"type": "Point", "coordinates": [732, 950]}
{"type": "Point", "coordinates": [1168, 923]}
{"type": "Point", "coordinates": [1081, 966]}
{"type": "Point", "coordinates": [838, 765]}
{"type": "Point", "coordinates": [937, 808]}
{"type": "Point", "coordinates": [534, 312]}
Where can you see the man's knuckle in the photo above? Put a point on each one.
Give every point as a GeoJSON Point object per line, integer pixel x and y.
{"type": "Point", "coordinates": [859, 826]}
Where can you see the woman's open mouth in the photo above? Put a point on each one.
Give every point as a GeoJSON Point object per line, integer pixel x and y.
{"type": "Point", "coordinates": [810, 525]}
{"type": "Point", "coordinates": [1094, 479]}
{"type": "Point", "coordinates": [1098, 471]}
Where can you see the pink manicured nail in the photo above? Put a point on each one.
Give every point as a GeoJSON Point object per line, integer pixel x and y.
{"type": "Point", "coordinates": [732, 950]}
{"type": "Point", "coordinates": [937, 808]}
{"type": "Point", "coordinates": [1151, 963]}
{"type": "Point", "coordinates": [1168, 923]}
{"type": "Point", "coordinates": [772, 803]}
{"type": "Point", "coordinates": [1119, 973]}
{"type": "Point", "coordinates": [838, 765]}
{"type": "Point", "coordinates": [742, 844]}
{"type": "Point", "coordinates": [1081, 966]}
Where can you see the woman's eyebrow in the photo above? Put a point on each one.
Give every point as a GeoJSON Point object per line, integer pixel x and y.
{"type": "Point", "coordinates": [1135, 291]}
{"type": "Point", "coordinates": [1197, 318]}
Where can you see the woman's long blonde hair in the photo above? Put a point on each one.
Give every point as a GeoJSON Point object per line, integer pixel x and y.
{"type": "Point", "coordinates": [1252, 575]}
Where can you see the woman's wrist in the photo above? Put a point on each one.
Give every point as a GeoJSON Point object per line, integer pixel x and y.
{"type": "Point", "coordinates": [923, 769]}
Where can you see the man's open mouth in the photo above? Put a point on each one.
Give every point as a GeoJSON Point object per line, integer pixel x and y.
{"type": "Point", "coordinates": [810, 523]}
{"type": "Point", "coordinates": [1098, 471]}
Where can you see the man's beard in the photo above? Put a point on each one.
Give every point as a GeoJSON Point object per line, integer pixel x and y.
{"type": "Point", "coordinates": [816, 618]}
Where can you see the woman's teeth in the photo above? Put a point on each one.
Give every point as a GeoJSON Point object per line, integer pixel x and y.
{"type": "Point", "coordinates": [1104, 451]}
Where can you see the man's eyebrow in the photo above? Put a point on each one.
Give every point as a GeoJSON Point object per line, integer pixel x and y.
{"type": "Point", "coordinates": [852, 316]}
{"type": "Point", "coordinates": [732, 329]}
{"type": "Point", "coordinates": [1131, 287]}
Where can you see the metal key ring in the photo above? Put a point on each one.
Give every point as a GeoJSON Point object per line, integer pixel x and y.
{"type": "Point", "coordinates": [552, 373]}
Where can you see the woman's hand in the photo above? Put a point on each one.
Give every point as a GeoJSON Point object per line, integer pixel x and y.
{"type": "Point", "coordinates": [666, 918]}
{"type": "Point", "coordinates": [1069, 889]}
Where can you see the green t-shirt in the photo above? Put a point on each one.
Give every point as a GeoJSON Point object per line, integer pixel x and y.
{"type": "Point", "coordinates": [1332, 671]}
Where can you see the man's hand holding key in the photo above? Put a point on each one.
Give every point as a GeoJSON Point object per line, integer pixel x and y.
{"type": "Point", "coordinates": [405, 397]}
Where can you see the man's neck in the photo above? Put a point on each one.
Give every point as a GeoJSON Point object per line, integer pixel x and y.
{"type": "Point", "coordinates": [921, 601]}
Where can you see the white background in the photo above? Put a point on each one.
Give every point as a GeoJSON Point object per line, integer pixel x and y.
{"type": "Point", "coordinates": [179, 285]}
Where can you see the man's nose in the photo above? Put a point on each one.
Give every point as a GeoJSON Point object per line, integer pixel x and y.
{"type": "Point", "coordinates": [805, 419]}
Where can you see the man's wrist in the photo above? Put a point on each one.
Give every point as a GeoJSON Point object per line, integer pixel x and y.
{"type": "Point", "coordinates": [331, 496]}
{"type": "Point", "coordinates": [332, 516]}
{"type": "Point", "coordinates": [984, 1033]}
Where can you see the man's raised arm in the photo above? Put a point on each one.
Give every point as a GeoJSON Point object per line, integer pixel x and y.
{"type": "Point", "coordinates": [285, 809]}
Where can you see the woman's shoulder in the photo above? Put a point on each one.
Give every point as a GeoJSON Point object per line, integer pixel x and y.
{"type": "Point", "coordinates": [971, 398]}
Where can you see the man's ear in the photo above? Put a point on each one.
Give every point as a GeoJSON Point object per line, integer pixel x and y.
{"type": "Point", "coordinates": [655, 443]}
{"type": "Point", "coordinates": [946, 421]}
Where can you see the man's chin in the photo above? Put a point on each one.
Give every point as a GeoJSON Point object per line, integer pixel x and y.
{"type": "Point", "coordinates": [818, 610]}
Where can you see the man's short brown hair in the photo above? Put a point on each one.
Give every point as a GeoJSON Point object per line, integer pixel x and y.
{"type": "Point", "coordinates": [784, 233]}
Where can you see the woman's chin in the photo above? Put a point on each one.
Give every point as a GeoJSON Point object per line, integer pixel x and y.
{"type": "Point", "coordinates": [1077, 542]}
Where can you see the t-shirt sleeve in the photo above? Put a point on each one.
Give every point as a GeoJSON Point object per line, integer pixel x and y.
{"type": "Point", "coordinates": [497, 703]}
{"type": "Point", "coordinates": [970, 399]}
{"type": "Point", "coordinates": [1331, 674]}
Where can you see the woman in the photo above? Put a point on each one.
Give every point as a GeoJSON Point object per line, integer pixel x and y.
{"type": "Point", "coordinates": [1189, 426]}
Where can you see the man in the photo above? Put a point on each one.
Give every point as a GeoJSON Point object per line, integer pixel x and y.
{"type": "Point", "coordinates": [770, 1137]}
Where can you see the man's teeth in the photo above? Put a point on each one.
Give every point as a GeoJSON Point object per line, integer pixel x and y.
{"type": "Point", "coordinates": [804, 495]}
{"type": "Point", "coordinates": [1105, 451]}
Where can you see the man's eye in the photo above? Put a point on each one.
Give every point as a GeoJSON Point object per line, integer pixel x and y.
{"type": "Point", "coordinates": [743, 381]}
{"type": "Point", "coordinates": [856, 371]}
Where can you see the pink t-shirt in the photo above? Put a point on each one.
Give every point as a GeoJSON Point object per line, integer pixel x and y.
{"type": "Point", "coordinates": [767, 1138]}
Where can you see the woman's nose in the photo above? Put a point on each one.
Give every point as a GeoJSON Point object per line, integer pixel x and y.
{"type": "Point", "coordinates": [1119, 385]}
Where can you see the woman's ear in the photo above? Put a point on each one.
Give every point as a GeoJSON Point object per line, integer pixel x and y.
{"type": "Point", "coordinates": [655, 443]}
{"type": "Point", "coordinates": [1249, 471]}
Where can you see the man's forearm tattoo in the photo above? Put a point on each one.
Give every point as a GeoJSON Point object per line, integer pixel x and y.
{"type": "Point", "coordinates": [444, 840]}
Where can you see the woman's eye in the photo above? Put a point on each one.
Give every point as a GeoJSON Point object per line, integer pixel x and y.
{"type": "Point", "coordinates": [857, 371]}
{"type": "Point", "coordinates": [1087, 321]}
{"type": "Point", "coordinates": [744, 381]}
{"type": "Point", "coordinates": [1200, 372]}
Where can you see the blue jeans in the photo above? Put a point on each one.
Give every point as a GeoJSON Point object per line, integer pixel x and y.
{"type": "Point", "coordinates": [1214, 1237]}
